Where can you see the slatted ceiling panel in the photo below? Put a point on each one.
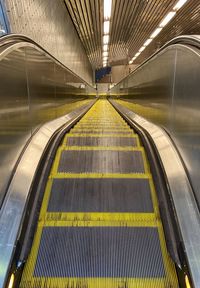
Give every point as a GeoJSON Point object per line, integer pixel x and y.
{"type": "Point", "coordinates": [132, 22]}
{"type": "Point", "coordinates": [149, 18]}
{"type": "Point", "coordinates": [87, 18]}
{"type": "Point", "coordinates": [185, 22]}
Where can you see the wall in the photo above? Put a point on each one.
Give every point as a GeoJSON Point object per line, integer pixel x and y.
{"type": "Point", "coordinates": [34, 89]}
{"type": "Point", "coordinates": [121, 71]}
{"type": "Point", "coordinates": [165, 90]}
{"type": "Point", "coordinates": [48, 23]}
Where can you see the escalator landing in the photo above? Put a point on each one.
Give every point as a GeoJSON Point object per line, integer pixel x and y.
{"type": "Point", "coordinates": [99, 224]}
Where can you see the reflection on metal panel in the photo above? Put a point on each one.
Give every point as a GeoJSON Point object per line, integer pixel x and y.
{"type": "Point", "coordinates": [34, 89]}
{"type": "Point", "coordinates": [182, 196]}
{"type": "Point", "coordinates": [165, 90]}
{"type": "Point", "coordinates": [12, 212]}
{"type": "Point", "coordinates": [49, 24]}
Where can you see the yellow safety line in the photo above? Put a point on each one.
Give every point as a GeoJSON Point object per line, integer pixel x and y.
{"type": "Point", "coordinates": [135, 137]}
{"type": "Point", "coordinates": [101, 135]}
{"type": "Point", "coordinates": [95, 282]}
{"type": "Point", "coordinates": [138, 219]}
{"type": "Point", "coordinates": [100, 129]}
{"type": "Point", "coordinates": [59, 175]}
{"type": "Point", "coordinates": [99, 219]}
{"type": "Point", "coordinates": [106, 148]}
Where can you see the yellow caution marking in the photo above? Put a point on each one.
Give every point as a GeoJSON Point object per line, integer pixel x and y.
{"type": "Point", "coordinates": [60, 175]}
{"type": "Point", "coordinates": [107, 148]}
{"type": "Point", "coordinates": [133, 219]}
{"type": "Point", "coordinates": [99, 219]}
{"type": "Point", "coordinates": [101, 135]}
{"type": "Point", "coordinates": [96, 283]}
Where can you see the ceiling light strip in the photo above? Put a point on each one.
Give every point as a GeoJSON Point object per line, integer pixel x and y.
{"type": "Point", "coordinates": [157, 31]}
{"type": "Point", "coordinates": [106, 30]}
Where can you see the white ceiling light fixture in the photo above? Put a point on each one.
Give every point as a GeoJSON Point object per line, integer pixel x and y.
{"type": "Point", "coordinates": [156, 32]}
{"type": "Point", "coordinates": [142, 49]}
{"type": "Point", "coordinates": [106, 27]}
{"type": "Point", "coordinates": [105, 39]}
{"type": "Point", "coordinates": [162, 24]}
{"type": "Point", "coordinates": [107, 9]}
{"type": "Point", "coordinates": [105, 53]}
{"type": "Point", "coordinates": [146, 43]}
{"type": "Point", "coordinates": [179, 4]}
{"type": "Point", "coordinates": [167, 18]}
{"type": "Point", "coordinates": [137, 54]}
{"type": "Point", "coordinates": [105, 47]}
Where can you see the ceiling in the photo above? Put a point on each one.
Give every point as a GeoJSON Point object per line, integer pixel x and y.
{"type": "Point", "coordinates": [132, 22]}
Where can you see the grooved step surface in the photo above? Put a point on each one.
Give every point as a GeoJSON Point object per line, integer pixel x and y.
{"type": "Point", "coordinates": [102, 131]}
{"type": "Point", "coordinates": [99, 224]}
{"type": "Point", "coordinates": [99, 252]}
{"type": "Point", "coordinates": [101, 141]}
{"type": "Point", "coordinates": [101, 161]}
{"type": "Point", "coordinates": [100, 195]}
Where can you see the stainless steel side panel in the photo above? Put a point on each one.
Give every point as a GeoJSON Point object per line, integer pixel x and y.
{"type": "Point", "coordinates": [48, 23]}
{"type": "Point", "coordinates": [14, 205]}
{"type": "Point", "coordinates": [186, 209]}
{"type": "Point", "coordinates": [166, 91]}
{"type": "Point", "coordinates": [34, 89]}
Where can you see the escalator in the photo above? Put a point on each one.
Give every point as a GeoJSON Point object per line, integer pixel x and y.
{"type": "Point", "coordinates": [99, 223]}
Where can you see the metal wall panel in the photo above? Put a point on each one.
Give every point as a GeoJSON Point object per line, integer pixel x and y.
{"type": "Point", "coordinates": [34, 89]}
{"type": "Point", "coordinates": [48, 23]}
{"type": "Point", "coordinates": [165, 90]}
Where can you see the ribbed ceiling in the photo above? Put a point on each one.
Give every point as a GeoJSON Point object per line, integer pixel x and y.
{"type": "Point", "coordinates": [132, 22]}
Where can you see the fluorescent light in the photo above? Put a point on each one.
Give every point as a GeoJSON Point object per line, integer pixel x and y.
{"type": "Point", "coordinates": [107, 9]}
{"type": "Point", "coordinates": [105, 47]}
{"type": "Point", "coordinates": [147, 42]}
{"type": "Point", "coordinates": [105, 53]}
{"type": "Point", "coordinates": [104, 64]}
{"type": "Point", "coordinates": [167, 18]}
{"type": "Point", "coordinates": [131, 61]}
{"type": "Point", "coordinates": [179, 4]}
{"type": "Point", "coordinates": [156, 32]}
{"type": "Point", "coordinates": [137, 54]}
{"type": "Point", "coordinates": [105, 39]}
{"type": "Point", "coordinates": [106, 27]}
{"type": "Point", "coordinates": [142, 49]}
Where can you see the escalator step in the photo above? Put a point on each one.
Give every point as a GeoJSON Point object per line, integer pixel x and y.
{"type": "Point", "coordinates": [100, 195]}
{"type": "Point", "coordinates": [101, 162]}
{"type": "Point", "coordinates": [101, 141]}
{"type": "Point", "coordinates": [99, 252]}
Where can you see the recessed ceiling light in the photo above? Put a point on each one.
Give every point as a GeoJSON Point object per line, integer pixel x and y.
{"type": "Point", "coordinates": [105, 39]}
{"type": "Point", "coordinates": [142, 49]}
{"type": "Point", "coordinates": [107, 9]}
{"type": "Point", "coordinates": [179, 4]}
{"type": "Point", "coordinates": [106, 27]}
{"type": "Point", "coordinates": [167, 18]}
{"type": "Point", "coordinates": [146, 43]}
{"type": "Point", "coordinates": [156, 32]}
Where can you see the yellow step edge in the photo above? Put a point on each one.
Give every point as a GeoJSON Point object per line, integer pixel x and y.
{"type": "Point", "coordinates": [102, 136]}
{"type": "Point", "coordinates": [96, 282]}
{"type": "Point", "coordinates": [103, 148]}
{"type": "Point", "coordinates": [70, 134]}
{"type": "Point", "coordinates": [134, 219]}
{"type": "Point", "coordinates": [59, 175]}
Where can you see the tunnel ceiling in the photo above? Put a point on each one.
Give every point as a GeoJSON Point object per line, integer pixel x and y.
{"type": "Point", "coordinates": [132, 22]}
